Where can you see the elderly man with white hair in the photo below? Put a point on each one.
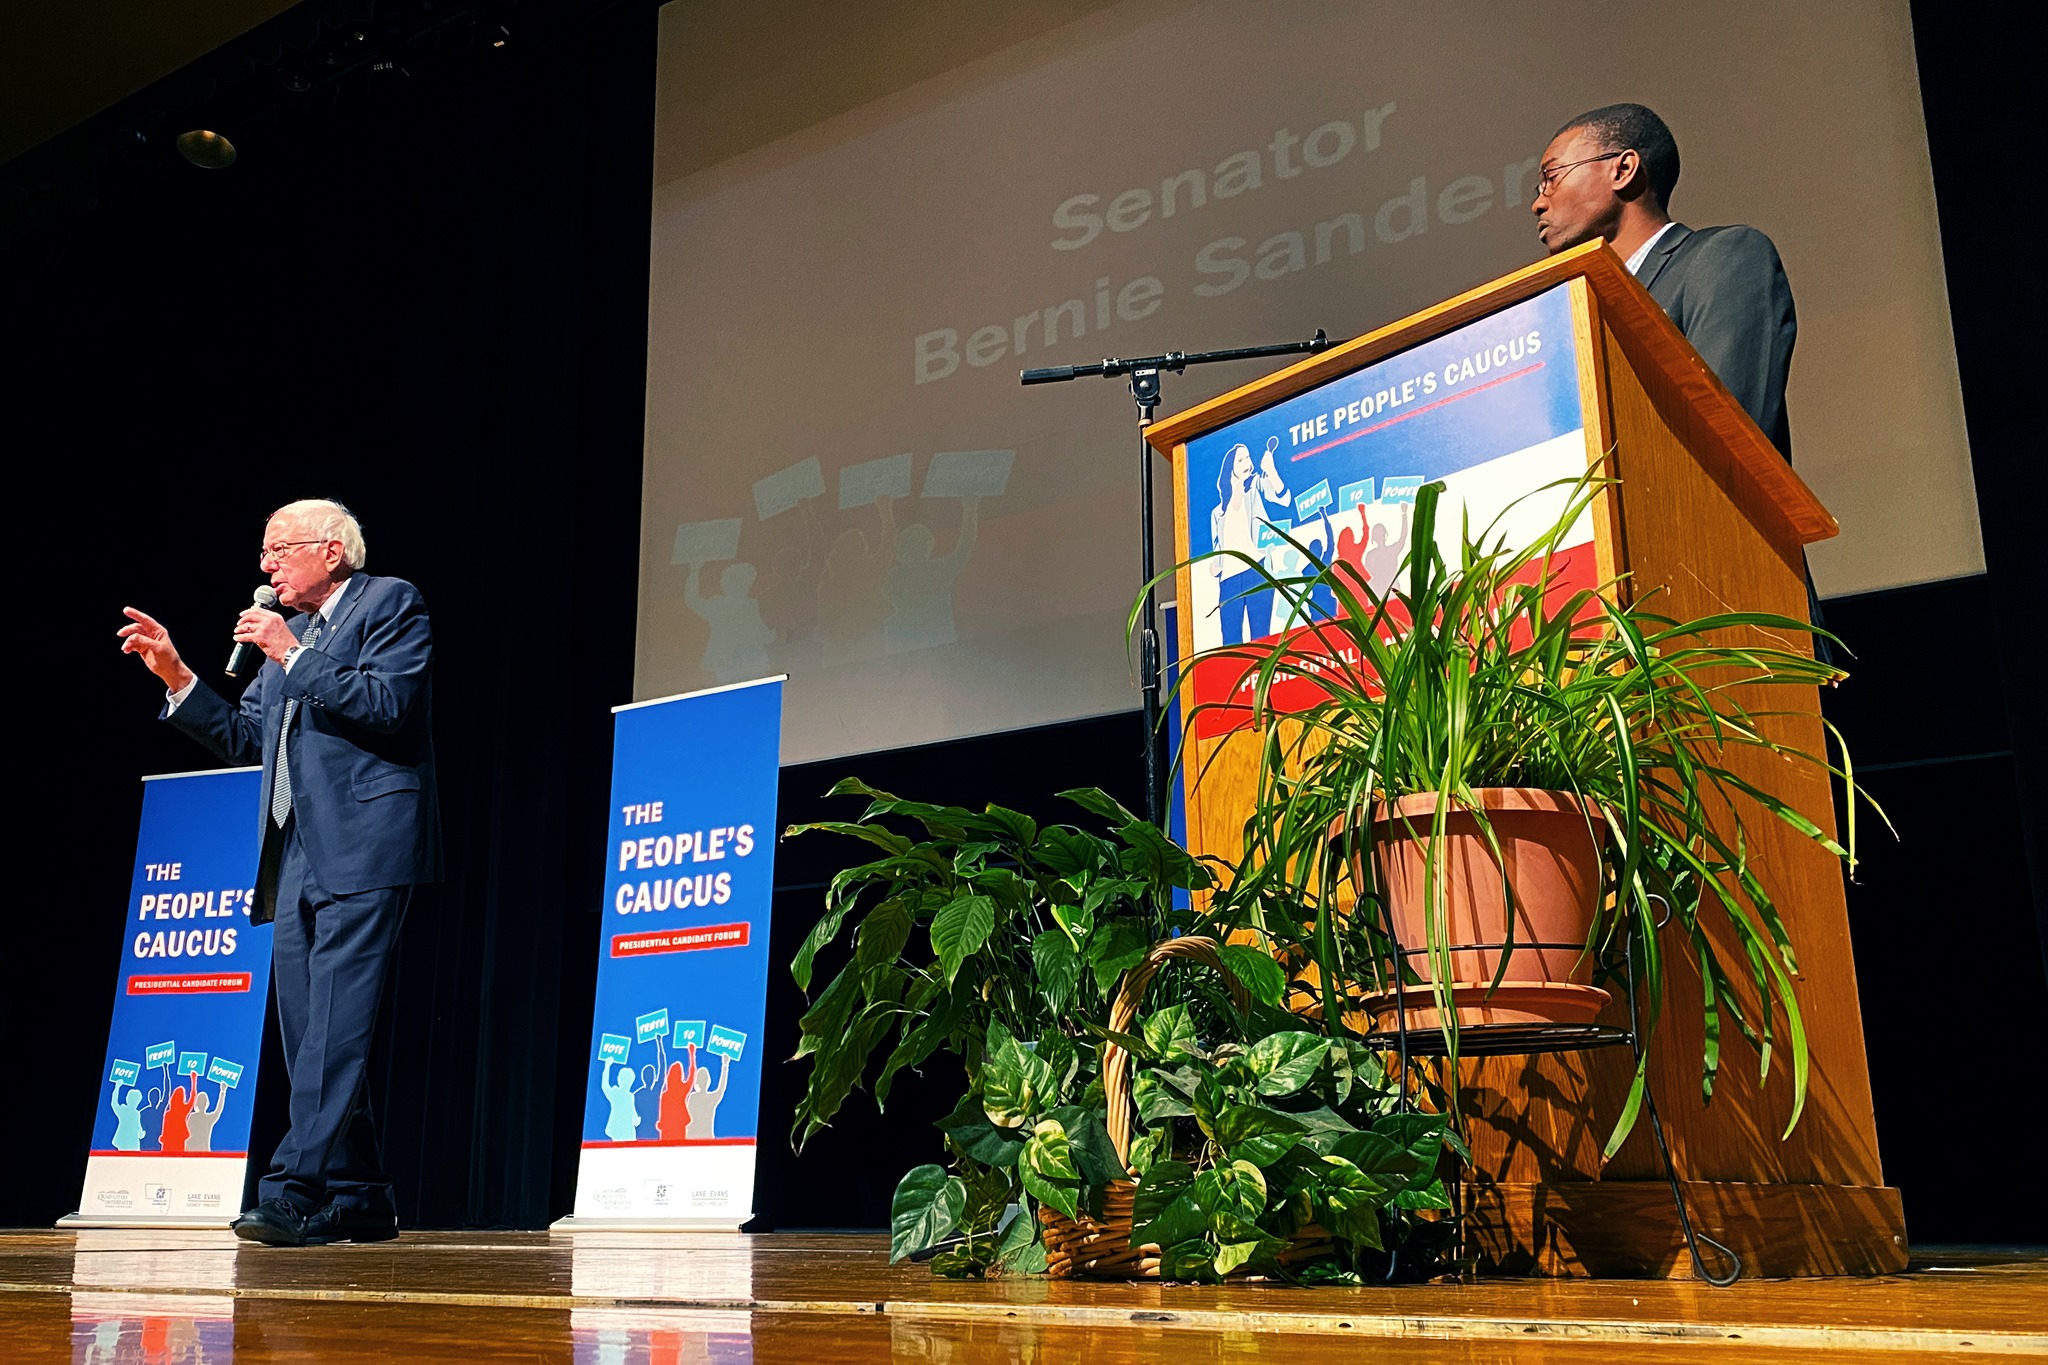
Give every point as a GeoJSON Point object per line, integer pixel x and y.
{"type": "Point", "coordinates": [340, 717]}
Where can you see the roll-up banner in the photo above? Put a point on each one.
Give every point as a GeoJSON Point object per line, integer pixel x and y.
{"type": "Point", "coordinates": [671, 1109]}
{"type": "Point", "coordinates": [170, 1138]}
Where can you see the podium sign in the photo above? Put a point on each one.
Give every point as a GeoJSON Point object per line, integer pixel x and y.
{"type": "Point", "coordinates": [672, 1104]}
{"type": "Point", "coordinates": [1491, 408]}
{"type": "Point", "coordinates": [171, 1133]}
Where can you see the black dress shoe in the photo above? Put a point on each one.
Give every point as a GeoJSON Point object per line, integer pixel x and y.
{"type": "Point", "coordinates": [338, 1224]}
{"type": "Point", "coordinates": [274, 1222]}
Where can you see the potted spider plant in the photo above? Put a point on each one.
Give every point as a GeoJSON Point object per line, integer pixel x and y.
{"type": "Point", "coordinates": [1482, 785]}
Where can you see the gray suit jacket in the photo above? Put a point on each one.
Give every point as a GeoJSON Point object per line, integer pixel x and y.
{"type": "Point", "coordinates": [1726, 289]}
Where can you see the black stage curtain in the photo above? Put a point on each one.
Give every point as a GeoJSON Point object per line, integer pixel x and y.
{"type": "Point", "coordinates": [431, 305]}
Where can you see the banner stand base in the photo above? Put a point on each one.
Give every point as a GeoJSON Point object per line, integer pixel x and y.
{"type": "Point", "coordinates": [210, 1222]}
{"type": "Point", "coordinates": [574, 1224]}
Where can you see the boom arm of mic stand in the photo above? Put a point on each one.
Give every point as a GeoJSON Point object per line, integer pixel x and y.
{"type": "Point", "coordinates": [1173, 362]}
{"type": "Point", "coordinates": [1144, 374]}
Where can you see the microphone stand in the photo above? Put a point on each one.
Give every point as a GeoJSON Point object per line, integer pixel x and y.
{"type": "Point", "coordinates": [1144, 373]}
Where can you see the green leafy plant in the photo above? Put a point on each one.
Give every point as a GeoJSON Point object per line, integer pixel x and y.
{"type": "Point", "coordinates": [1483, 674]}
{"type": "Point", "coordinates": [990, 919]}
{"type": "Point", "coordinates": [1002, 942]}
{"type": "Point", "coordinates": [1286, 1156]}
{"type": "Point", "coordinates": [1283, 1157]}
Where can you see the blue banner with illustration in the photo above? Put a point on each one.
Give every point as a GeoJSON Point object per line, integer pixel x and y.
{"type": "Point", "coordinates": [171, 1130]}
{"type": "Point", "coordinates": [1492, 409]}
{"type": "Point", "coordinates": [671, 1108]}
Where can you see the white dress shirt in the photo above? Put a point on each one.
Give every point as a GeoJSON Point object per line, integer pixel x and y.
{"type": "Point", "coordinates": [1642, 252]}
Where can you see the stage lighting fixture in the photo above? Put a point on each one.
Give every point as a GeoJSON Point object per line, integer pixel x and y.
{"type": "Point", "coordinates": [206, 149]}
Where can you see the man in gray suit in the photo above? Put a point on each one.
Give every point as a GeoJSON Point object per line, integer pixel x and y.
{"type": "Point", "coordinates": [1609, 173]}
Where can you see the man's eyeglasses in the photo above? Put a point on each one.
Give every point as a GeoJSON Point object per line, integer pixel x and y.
{"type": "Point", "coordinates": [1550, 178]}
{"type": "Point", "coordinates": [273, 553]}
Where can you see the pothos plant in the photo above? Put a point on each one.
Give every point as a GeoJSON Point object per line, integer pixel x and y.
{"type": "Point", "coordinates": [1001, 942]}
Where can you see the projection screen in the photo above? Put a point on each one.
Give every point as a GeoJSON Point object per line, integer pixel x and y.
{"type": "Point", "coordinates": [868, 219]}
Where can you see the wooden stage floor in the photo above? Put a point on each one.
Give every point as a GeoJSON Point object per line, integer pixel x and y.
{"type": "Point", "coordinates": [201, 1298]}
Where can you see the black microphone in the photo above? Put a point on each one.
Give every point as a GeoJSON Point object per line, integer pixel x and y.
{"type": "Point", "coordinates": [245, 651]}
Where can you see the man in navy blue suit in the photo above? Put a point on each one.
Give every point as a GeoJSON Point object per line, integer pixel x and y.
{"type": "Point", "coordinates": [340, 718]}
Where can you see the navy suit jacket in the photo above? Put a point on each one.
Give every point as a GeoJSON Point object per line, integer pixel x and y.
{"type": "Point", "coordinates": [362, 749]}
{"type": "Point", "coordinates": [1726, 289]}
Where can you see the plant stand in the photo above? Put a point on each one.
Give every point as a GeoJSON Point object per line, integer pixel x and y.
{"type": "Point", "coordinates": [1505, 1040]}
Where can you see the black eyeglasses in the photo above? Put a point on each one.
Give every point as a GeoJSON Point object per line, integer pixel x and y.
{"type": "Point", "coordinates": [1550, 178]}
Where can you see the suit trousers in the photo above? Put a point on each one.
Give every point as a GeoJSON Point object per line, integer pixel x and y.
{"type": "Point", "coordinates": [330, 957]}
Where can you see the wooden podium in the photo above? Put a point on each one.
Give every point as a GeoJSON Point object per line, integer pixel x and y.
{"type": "Point", "coordinates": [1532, 377]}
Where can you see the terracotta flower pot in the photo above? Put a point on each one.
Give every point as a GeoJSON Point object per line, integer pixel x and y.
{"type": "Point", "coordinates": [1550, 853]}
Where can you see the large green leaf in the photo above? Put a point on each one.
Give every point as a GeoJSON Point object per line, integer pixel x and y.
{"type": "Point", "coordinates": [1257, 1135]}
{"type": "Point", "coordinates": [1159, 1100]}
{"type": "Point", "coordinates": [1170, 1033]}
{"type": "Point", "coordinates": [1232, 1255]}
{"type": "Point", "coordinates": [884, 932]}
{"type": "Point", "coordinates": [1047, 1168]}
{"type": "Point", "coordinates": [1258, 972]}
{"type": "Point", "coordinates": [1098, 802]}
{"type": "Point", "coordinates": [1057, 967]}
{"type": "Point", "coordinates": [1377, 1155]}
{"type": "Point", "coordinates": [1017, 1085]}
{"type": "Point", "coordinates": [1348, 1202]}
{"type": "Point", "coordinates": [886, 840]}
{"type": "Point", "coordinates": [1068, 853]}
{"type": "Point", "coordinates": [1285, 1062]}
{"type": "Point", "coordinates": [927, 1207]}
{"type": "Point", "coordinates": [1160, 860]}
{"type": "Point", "coordinates": [959, 930]}
{"type": "Point", "coordinates": [1237, 1189]}
{"type": "Point", "coordinates": [1020, 1251]}
{"type": "Point", "coordinates": [1088, 1140]}
{"type": "Point", "coordinates": [1113, 948]}
{"type": "Point", "coordinates": [822, 1027]}
{"type": "Point", "coordinates": [1194, 1259]}
{"type": "Point", "coordinates": [969, 1128]}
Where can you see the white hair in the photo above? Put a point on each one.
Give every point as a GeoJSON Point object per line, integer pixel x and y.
{"type": "Point", "coordinates": [329, 520]}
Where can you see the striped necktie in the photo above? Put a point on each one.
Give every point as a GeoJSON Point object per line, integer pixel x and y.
{"type": "Point", "coordinates": [281, 784]}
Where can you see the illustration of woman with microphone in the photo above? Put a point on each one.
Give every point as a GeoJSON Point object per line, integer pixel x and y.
{"type": "Point", "coordinates": [1244, 495]}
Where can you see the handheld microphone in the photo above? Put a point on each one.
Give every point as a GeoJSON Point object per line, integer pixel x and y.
{"type": "Point", "coordinates": [245, 652]}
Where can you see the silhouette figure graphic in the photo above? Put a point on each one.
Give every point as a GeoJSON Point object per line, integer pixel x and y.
{"type": "Point", "coordinates": [176, 1130]}
{"type": "Point", "coordinates": [127, 1119]}
{"type": "Point", "coordinates": [702, 1100]}
{"type": "Point", "coordinates": [920, 588]}
{"type": "Point", "coordinates": [624, 1117]}
{"type": "Point", "coordinates": [851, 604]}
{"type": "Point", "coordinates": [674, 1120]}
{"type": "Point", "coordinates": [153, 1120]}
{"type": "Point", "coordinates": [738, 647]}
{"type": "Point", "coordinates": [647, 1104]}
{"type": "Point", "coordinates": [1243, 489]}
{"type": "Point", "coordinates": [205, 1113]}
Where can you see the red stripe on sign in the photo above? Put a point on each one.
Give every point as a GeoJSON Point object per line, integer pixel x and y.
{"type": "Point", "coordinates": [102, 1151]}
{"type": "Point", "coordinates": [221, 983]}
{"type": "Point", "coordinates": [681, 940]}
{"type": "Point", "coordinates": [677, 1142]}
{"type": "Point", "coordinates": [1426, 407]}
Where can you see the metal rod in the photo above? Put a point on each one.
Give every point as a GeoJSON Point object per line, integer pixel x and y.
{"type": "Point", "coordinates": [1144, 373]}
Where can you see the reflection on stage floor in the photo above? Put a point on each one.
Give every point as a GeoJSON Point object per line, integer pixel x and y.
{"type": "Point", "coordinates": [200, 1298]}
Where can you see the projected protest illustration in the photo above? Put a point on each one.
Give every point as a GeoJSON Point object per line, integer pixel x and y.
{"type": "Point", "coordinates": [845, 482]}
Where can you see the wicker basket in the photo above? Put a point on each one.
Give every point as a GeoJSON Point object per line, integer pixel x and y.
{"type": "Point", "coordinates": [1101, 1247]}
